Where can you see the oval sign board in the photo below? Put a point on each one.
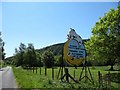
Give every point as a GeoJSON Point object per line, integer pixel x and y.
{"type": "Point", "coordinates": [74, 50]}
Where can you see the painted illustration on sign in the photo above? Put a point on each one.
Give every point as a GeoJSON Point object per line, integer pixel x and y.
{"type": "Point", "coordinates": [74, 50]}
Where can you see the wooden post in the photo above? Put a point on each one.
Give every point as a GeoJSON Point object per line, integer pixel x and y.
{"type": "Point", "coordinates": [61, 71]}
{"type": "Point", "coordinates": [53, 73]}
{"type": "Point", "coordinates": [36, 70]}
{"type": "Point", "coordinates": [74, 73]}
{"type": "Point", "coordinates": [40, 70]}
{"type": "Point", "coordinates": [85, 72]}
{"type": "Point", "coordinates": [100, 79]}
{"type": "Point", "coordinates": [58, 72]}
{"type": "Point", "coordinates": [66, 72]}
{"type": "Point", "coordinates": [45, 70]}
{"type": "Point", "coordinates": [109, 80]}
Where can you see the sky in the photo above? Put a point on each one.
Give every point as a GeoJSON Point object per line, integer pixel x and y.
{"type": "Point", "coordinates": [48, 23]}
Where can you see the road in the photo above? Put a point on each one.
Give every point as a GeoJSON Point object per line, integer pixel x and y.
{"type": "Point", "coordinates": [7, 79]}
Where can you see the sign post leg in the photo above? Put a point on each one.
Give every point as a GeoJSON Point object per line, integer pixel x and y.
{"type": "Point", "coordinates": [86, 73]}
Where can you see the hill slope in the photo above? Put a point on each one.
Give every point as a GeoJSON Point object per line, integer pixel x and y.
{"type": "Point", "coordinates": [56, 49]}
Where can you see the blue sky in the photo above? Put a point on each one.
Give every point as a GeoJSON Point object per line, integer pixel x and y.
{"type": "Point", "coordinates": [44, 24]}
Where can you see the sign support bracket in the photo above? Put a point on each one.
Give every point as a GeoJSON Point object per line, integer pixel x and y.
{"type": "Point", "coordinates": [86, 69]}
{"type": "Point", "coordinates": [67, 75]}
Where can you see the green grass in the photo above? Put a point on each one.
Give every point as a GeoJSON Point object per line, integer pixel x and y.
{"type": "Point", "coordinates": [28, 79]}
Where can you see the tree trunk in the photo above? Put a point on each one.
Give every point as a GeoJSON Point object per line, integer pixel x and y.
{"type": "Point", "coordinates": [111, 68]}
{"type": "Point", "coordinates": [112, 63]}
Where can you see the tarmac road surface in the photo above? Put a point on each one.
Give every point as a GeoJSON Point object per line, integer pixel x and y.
{"type": "Point", "coordinates": [7, 79]}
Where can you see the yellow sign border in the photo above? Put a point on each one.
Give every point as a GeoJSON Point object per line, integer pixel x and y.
{"type": "Point", "coordinates": [69, 59]}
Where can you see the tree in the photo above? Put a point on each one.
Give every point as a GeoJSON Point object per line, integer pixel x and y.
{"type": "Point", "coordinates": [26, 59]}
{"type": "Point", "coordinates": [48, 59]}
{"type": "Point", "coordinates": [39, 60]}
{"type": "Point", "coordinates": [58, 60]}
{"type": "Point", "coordinates": [19, 54]}
{"type": "Point", "coordinates": [31, 55]}
{"type": "Point", "coordinates": [104, 45]}
{"type": "Point", "coordinates": [0, 47]}
{"type": "Point", "coordinates": [25, 56]}
{"type": "Point", "coordinates": [3, 54]}
{"type": "Point", "coordinates": [2, 44]}
{"type": "Point", "coordinates": [22, 49]}
{"type": "Point", "coordinates": [17, 57]}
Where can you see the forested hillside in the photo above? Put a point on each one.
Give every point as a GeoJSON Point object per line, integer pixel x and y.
{"type": "Point", "coordinates": [56, 49]}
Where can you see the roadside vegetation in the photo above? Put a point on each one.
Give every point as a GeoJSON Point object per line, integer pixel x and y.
{"type": "Point", "coordinates": [2, 64]}
{"type": "Point", "coordinates": [27, 79]}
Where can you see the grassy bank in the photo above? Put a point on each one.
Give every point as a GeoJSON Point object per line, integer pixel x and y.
{"type": "Point", "coordinates": [28, 79]}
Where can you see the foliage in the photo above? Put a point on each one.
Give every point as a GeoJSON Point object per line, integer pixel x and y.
{"type": "Point", "coordinates": [31, 55]}
{"type": "Point", "coordinates": [25, 56]}
{"type": "Point", "coordinates": [2, 44]}
{"type": "Point", "coordinates": [19, 54]}
{"type": "Point", "coordinates": [48, 59]}
{"type": "Point", "coordinates": [39, 62]}
{"type": "Point", "coordinates": [56, 49]}
{"type": "Point", "coordinates": [58, 60]}
{"type": "Point", "coordinates": [104, 45]}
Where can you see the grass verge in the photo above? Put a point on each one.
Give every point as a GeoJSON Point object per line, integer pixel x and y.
{"type": "Point", "coordinates": [28, 79]}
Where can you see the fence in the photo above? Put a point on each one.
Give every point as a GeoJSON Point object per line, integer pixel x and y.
{"type": "Point", "coordinates": [104, 80]}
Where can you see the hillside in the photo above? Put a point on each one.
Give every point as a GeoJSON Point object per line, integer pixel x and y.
{"type": "Point", "coordinates": [56, 48]}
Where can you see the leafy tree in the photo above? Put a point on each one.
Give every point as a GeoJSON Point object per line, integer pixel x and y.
{"type": "Point", "coordinates": [31, 55]}
{"type": "Point", "coordinates": [17, 57]}
{"type": "Point", "coordinates": [39, 60]}
{"type": "Point", "coordinates": [25, 56]}
{"type": "Point", "coordinates": [104, 45]}
{"type": "Point", "coordinates": [58, 60]}
{"type": "Point", "coordinates": [26, 59]}
{"type": "Point", "coordinates": [22, 49]}
{"type": "Point", "coordinates": [2, 44]}
{"type": "Point", "coordinates": [3, 54]}
{"type": "Point", "coordinates": [48, 59]}
{"type": "Point", "coordinates": [19, 54]}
